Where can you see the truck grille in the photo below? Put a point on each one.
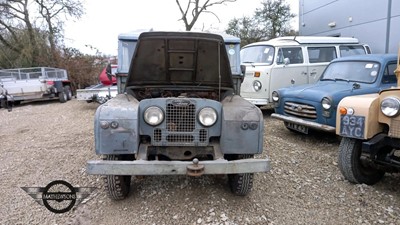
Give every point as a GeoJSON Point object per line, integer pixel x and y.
{"type": "Point", "coordinates": [181, 118]}
{"type": "Point", "coordinates": [179, 128]}
{"type": "Point", "coordinates": [394, 128]}
{"type": "Point", "coordinates": [300, 110]}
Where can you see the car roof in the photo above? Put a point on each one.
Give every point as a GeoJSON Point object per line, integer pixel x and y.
{"type": "Point", "coordinates": [369, 57]}
{"type": "Point", "coordinates": [299, 40]}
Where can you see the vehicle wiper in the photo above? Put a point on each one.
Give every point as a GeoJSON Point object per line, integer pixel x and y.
{"type": "Point", "coordinates": [251, 63]}
{"type": "Point", "coordinates": [328, 79]}
{"type": "Point", "coordinates": [336, 79]}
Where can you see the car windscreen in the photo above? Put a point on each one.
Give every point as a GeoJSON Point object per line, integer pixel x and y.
{"type": "Point", "coordinates": [257, 54]}
{"type": "Point", "coordinates": [355, 71]}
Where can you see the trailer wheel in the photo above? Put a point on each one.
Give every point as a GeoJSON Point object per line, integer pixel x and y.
{"type": "Point", "coordinates": [351, 165]}
{"type": "Point", "coordinates": [68, 91]}
{"type": "Point", "coordinates": [117, 186]}
{"type": "Point", "coordinates": [62, 96]}
{"type": "Point", "coordinates": [242, 183]}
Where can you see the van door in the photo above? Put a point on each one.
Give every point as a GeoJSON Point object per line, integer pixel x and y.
{"type": "Point", "coordinates": [318, 60]}
{"type": "Point", "coordinates": [290, 69]}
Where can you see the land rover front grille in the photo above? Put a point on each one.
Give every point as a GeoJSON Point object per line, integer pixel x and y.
{"type": "Point", "coordinates": [181, 118]}
{"type": "Point", "coordinates": [300, 110]}
{"type": "Point", "coordinates": [394, 128]}
{"type": "Point", "coordinates": [179, 128]}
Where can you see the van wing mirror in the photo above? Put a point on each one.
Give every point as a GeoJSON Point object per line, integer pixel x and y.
{"type": "Point", "coordinates": [243, 69]}
{"type": "Point", "coordinates": [286, 61]}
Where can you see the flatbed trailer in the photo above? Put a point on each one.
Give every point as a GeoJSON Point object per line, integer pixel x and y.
{"type": "Point", "coordinates": [35, 83]}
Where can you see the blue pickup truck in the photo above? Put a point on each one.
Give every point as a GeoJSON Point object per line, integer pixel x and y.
{"type": "Point", "coordinates": [314, 106]}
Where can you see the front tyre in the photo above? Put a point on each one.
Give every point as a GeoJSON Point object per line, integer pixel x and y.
{"type": "Point", "coordinates": [351, 165]}
{"type": "Point", "coordinates": [62, 96]}
{"type": "Point", "coordinates": [68, 92]}
{"type": "Point", "coordinates": [242, 183]}
{"type": "Point", "coordinates": [117, 186]}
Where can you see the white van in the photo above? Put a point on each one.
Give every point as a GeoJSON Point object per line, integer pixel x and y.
{"type": "Point", "coordinates": [287, 61]}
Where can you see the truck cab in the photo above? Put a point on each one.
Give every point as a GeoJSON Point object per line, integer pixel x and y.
{"type": "Point", "coordinates": [178, 113]}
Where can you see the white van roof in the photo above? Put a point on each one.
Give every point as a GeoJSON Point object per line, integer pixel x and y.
{"type": "Point", "coordinates": [298, 40]}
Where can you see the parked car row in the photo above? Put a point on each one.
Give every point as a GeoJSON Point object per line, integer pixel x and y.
{"type": "Point", "coordinates": [314, 106]}
{"type": "Point", "coordinates": [288, 61]}
{"type": "Point", "coordinates": [183, 99]}
{"type": "Point", "coordinates": [356, 97]}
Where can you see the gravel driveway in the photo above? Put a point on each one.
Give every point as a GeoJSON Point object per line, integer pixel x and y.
{"type": "Point", "coordinates": [45, 141]}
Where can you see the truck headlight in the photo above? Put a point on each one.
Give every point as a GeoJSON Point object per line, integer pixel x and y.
{"type": "Point", "coordinates": [257, 85]}
{"type": "Point", "coordinates": [326, 103]}
{"type": "Point", "coordinates": [153, 115]}
{"type": "Point", "coordinates": [207, 116]}
{"type": "Point", "coordinates": [390, 106]}
{"type": "Point", "coordinates": [275, 96]}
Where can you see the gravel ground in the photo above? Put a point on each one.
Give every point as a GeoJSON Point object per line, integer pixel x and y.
{"type": "Point", "coordinates": [45, 141]}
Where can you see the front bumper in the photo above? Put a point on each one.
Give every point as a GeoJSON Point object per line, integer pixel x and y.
{"type": "Point", "coordinates": [313, 125]}
{"type": "Point", "coordinates": [144, 167]}
{"type": "Point", "coordinates": [260, 102]}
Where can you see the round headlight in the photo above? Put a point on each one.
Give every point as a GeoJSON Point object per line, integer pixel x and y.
{"type": "Point", "coordinates": [326, 103]}
{"type": "Point", "coordinates": [390, 106]}
{"type": "Point", "coordinates": [257, 85]}
{"type": "Point", "coordinates": [275, 96]}
{"type": "Point", "coordinates": [207, 116]}
{"type": "Point", "coordinates": [153, 116]}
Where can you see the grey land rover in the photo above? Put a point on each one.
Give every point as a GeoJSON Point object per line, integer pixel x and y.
{"type": "Point", "coordinates": [179, 114]}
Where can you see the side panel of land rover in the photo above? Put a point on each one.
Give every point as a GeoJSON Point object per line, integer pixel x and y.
{"type": "Point", "coordinates": [178, 115]}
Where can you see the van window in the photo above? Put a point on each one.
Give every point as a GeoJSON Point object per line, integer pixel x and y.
{"type": "Point", "coordinates": [257, 54]}
{"type": "Point", "coordinates": [294, 54]}
{"type": "Point", "coordinates": [346, 50]}
{"type": "Point", "coordinates": [321, 54]}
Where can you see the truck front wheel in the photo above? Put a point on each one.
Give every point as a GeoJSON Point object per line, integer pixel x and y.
{"type": "Point", "coordinates": [242, 183]}
{"type": "Point", "coordinates": [351, 165]}
{"type": "Point", "coordinates": [117, 186]}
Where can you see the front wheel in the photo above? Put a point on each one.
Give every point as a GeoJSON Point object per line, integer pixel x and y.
{"type": "Point", "coordinates": [62, 96]}
{"type": "Point", "coordinates": [351, 165]}
{"type": "Point", "coordinates": [242, 183]}
{"type": "Point", "coordinates": [117, 186]}
{"type": "Point", "coordinates": [68, 92]}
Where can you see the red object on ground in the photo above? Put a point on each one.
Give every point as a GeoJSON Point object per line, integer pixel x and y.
{"type": "Point", "coordinates": [104, 78]}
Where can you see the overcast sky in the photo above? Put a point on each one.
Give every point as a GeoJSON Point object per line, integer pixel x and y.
{"type": "Point", "coordinates": [104, 20]}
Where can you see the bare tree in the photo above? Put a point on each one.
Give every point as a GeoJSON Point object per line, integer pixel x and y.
{"type": "Point", "coordinates": [275, 15]}
{"type": "Point", "coordinates": [32, 29]}
{"type": "Point", "coordinates": [14, 16]}
{"type": "Point", "coordinates": [193, 8]}
{"type": "Point", "coordinates": [246, 29]}
{"type": "Point", "coordinates": [270, 21]}
{"type": "Point", "coordinates": [51, 10]}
